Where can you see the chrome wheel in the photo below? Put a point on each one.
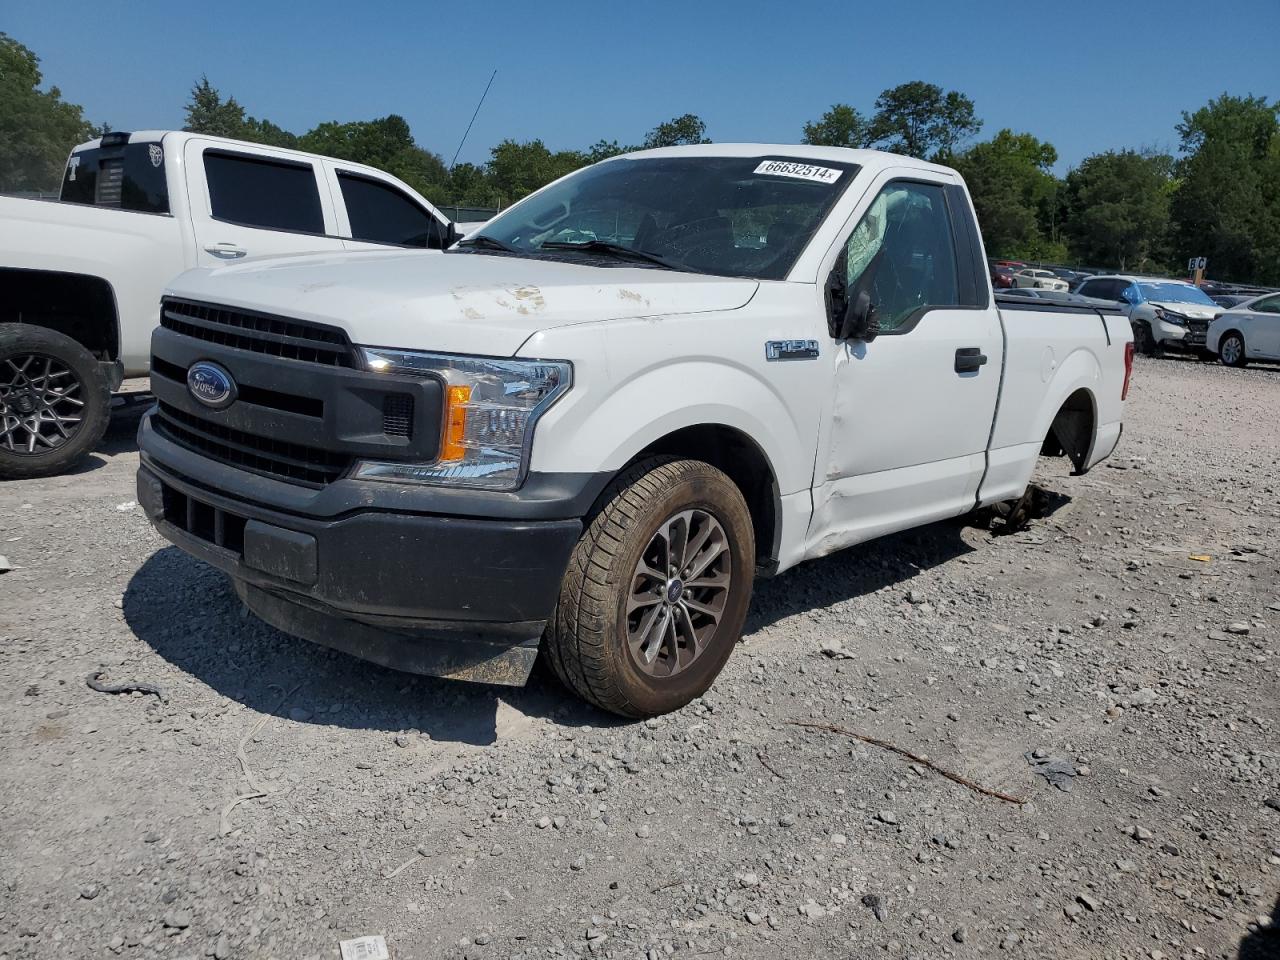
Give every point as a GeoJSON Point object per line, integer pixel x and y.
{"type": "Point", "coordinates": [678, 593]}
{"type": "Point", "coordinates": [40, 407]}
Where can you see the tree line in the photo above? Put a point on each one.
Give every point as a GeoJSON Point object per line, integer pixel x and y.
{"type": "Point", "coordinates": [1134, 209]}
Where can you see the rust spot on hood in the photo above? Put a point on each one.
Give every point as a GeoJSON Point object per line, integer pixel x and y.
{"type": "Point", "coordinates": [527, 297]}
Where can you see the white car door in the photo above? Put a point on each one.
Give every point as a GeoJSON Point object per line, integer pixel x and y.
{"type": "Point", "coordinates": [249, 201]}
{"type": "Point", "coordinates": [1264, 335]}
{"type": "Point", "coordinates": [905, 436]}
{"type": "Point", "coordinates": [376, 211]}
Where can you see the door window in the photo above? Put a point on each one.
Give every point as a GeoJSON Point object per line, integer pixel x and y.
{"type": "Point", "coordinates": [902, 253]}
{"type": "Point", "coordinates": [381, 214]}
{"type": "Point", "coordinates": [1269, 305]}
{"type": "Point", "coordinates": [1103, 289]}
{"type": "Point", "coordinates": [257, 192]}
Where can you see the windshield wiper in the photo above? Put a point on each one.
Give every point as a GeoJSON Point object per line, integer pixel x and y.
{"type": "Point", "coordinates": [484, 240]}
{"type": "Point", "coordinates": [617, 250]}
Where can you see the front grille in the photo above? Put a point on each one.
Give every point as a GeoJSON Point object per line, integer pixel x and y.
{"type": "Point", "coordinates": [258, 332]}
{"type": "Point", "coordinates": [263, 455]}
{"type": "Point", "coordinates": [259, 396]}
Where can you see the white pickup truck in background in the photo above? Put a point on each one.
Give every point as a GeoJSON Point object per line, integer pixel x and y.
{"type": "Point", "coordinates": [587, 427]}
{"type": "Point", "coordinates": [80, 279]}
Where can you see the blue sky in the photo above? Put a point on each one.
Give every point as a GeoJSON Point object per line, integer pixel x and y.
{"type": "Point", "coordinates": [1085, 76]}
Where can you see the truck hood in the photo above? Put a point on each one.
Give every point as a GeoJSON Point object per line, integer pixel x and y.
{"type": "Point", "coordinates": [458, 303]}
{"type": "Point", "coordinates": [1194, 311]}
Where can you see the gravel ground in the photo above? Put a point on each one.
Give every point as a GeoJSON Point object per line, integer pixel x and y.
{"type": "Point", "coordinates": [1125, 644]}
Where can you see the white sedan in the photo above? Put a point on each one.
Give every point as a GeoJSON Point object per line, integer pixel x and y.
{"type": "Point", "coordinates": [1250, 331]}
{"type": "Point", "coordinates": [1039, 280]}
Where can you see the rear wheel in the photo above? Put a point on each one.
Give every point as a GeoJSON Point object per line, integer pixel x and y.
{"type": "Point", "coordinates": [1231, 350]}
{"type": "Point", "coordinates": [656, 591]}
{"type": "Point", "coordinates": [54, 402]}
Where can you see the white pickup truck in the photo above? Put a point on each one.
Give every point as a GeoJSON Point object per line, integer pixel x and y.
{"type": "Point", "coordinates": [587, 428]}
{"type": "Point", "coordinates": [80, 279]}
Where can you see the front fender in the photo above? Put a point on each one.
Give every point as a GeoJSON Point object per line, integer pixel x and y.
{"type": "Point", "coordinates": [629, 393]}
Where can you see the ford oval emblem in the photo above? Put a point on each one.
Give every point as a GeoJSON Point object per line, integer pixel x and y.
{"type": "Point", "coordinates": [211, 384]}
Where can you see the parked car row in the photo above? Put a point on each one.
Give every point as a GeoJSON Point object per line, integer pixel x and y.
{"type": "Point", "coordinates": [1175, 314]}
{"type": "Point", "coordinates": [1015, 274]}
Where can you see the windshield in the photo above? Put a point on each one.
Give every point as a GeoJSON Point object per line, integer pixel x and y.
{"type": "Point", "coordinates": [1175, 293]}
{"type": "Point", "coordinates": [728, 216]}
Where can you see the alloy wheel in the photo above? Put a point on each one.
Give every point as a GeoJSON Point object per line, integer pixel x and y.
{"type": "Point", "coordinates": [39, 404]}
{"type": "Point", "coordinates": [679, 591]}
{"type": "Point", "coordinates": [1231, 351]}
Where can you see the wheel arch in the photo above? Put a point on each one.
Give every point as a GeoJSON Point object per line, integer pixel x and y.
{"type": "Point", "coordinates": [81, 306]}
{"type": "Point", "coordinates": [742, 459]}
{"type": "Point", "coordinates": [1073, 430]}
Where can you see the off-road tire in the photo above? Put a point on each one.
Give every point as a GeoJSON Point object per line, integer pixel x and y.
{"type": "Point", "coordinates": [587, 640]}
{"type": "Point", "coordinates": [20, 340]}
{"type": "Point", "coordinates": [1241, 358]}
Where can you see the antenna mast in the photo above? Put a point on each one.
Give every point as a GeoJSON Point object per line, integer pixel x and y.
{"type": "Point", "coordinates": [473, 120]}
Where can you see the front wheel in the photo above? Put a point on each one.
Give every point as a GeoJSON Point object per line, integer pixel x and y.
{"type": "Point", "coordinates": [1143, 340]}
{"type": "Point", "coordinates": [657, 590]}
{"type": "Point", "coordinates": [1231, 350]}
{"type": "Point", "coordinates": [54, 402]}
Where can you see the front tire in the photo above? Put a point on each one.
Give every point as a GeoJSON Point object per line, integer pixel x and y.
{"type": "Point", "coordinates": [54, 402]}
{"type": "Point", "coordinates": [1143, 339]}
{"type": "Point", "coordinates": [657, 590]}
{"type": "Point", "coordinates": [1231, 350]}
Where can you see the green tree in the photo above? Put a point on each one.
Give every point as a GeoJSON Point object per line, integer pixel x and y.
{"type": "Point", "coordinates": [517, 169]}
{"type": "Point", "coordinates": [1118, 209]}
{"type": "Point", "coordinates": [208, 113]}
{"type": "Point", "coordinates": [604, 149]}
{"type": "Point", "coordinates": [1227, 203]}
{"type": "Point", "coordinates": [37, 128]}
{"type": "Point", "coordinates": [677, 132]}
{"type": "Point", "coordinates": [386, 144]}
{"type": "Point", "coordinates": [841, 126]}
{"type": "Point", "coordinates": [469, 185]}
{"type": "Point", "coordinates": [1015, 194]}
{"type": "Point", "coordinates": [919, 119]}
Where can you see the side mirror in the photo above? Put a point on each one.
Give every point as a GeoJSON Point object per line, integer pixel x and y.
{"type": "Point", "coordinates": [861, 319]}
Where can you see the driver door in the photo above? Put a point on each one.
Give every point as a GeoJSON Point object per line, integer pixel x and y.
{"type": "Point", "coordinates": [905, 435]}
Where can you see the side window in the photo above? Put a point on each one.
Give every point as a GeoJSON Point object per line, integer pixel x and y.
{"type": "Point", "coordinates": [272, 194]}
{"type": "Point", "coordinates": [1269, 305]}
{"type": "Point", "coordinates": [902, 253]}
{"type": "Point", "coordinates": [381, 214]}
{"type": "Point", "coordinates": [1129, 292]}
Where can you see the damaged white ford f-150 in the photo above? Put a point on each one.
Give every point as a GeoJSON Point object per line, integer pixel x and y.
{"type": "Point", "coordinates": [587, 428]}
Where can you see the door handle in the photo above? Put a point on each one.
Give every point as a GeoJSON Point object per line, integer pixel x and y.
{"type": "Point", "coordinates": [969, 359]}
{"type": "Point", "coordinates": [228, 251]}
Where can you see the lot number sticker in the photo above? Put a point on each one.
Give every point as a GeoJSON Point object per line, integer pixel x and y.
{"type": "Point", "coordinates": [799, 171]}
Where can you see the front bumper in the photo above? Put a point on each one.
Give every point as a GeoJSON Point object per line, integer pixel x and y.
{"type": "Point", "coordinates": [408, 587]}
{"type": "Point", "coordinates": [1197, 334]}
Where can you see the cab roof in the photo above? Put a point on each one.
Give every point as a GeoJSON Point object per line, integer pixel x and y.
{"type": "Point", "coordinates": [866, 159]}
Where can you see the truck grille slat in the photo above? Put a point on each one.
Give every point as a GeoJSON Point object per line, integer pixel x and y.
{"type": "Point", "coordinates": [263, 455]}
{"type": "Point", "coordinates": [259, 333]}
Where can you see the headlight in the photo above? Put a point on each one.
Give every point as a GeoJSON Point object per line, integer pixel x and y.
{"type": "Point", "coordinates": [490, 409]}
{"type": "Point", "coordinates": [1177, 319]}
